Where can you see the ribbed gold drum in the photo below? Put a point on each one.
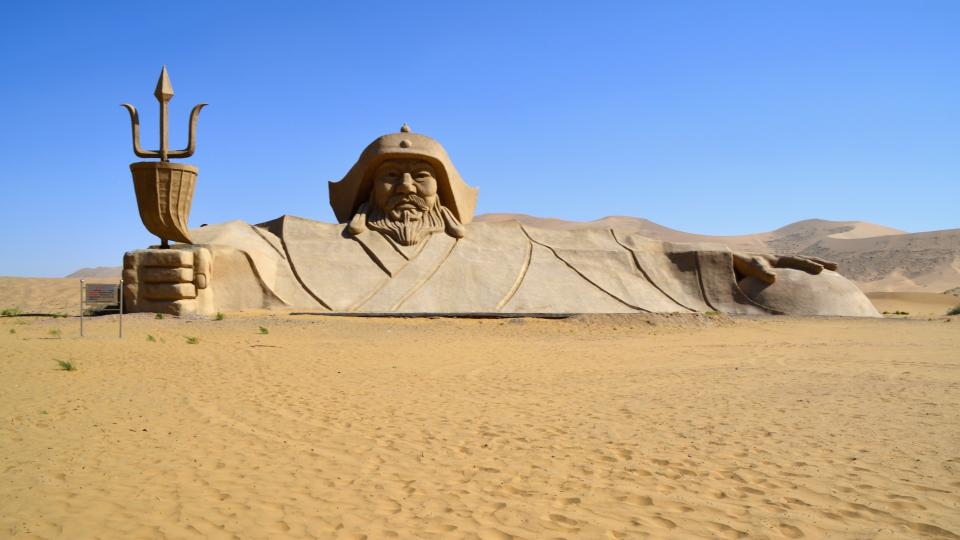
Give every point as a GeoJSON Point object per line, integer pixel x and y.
{"type": "Point", "coordinates": [164, 195]}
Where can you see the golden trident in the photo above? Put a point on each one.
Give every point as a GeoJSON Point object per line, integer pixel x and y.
{"type": "Point", "coordinates": [164, 190]}
{"type": "Point", "coordinates": [164, 93]}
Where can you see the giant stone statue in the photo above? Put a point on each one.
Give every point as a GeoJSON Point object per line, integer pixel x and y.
{"type": "Point", "coordinates": [406, 243]}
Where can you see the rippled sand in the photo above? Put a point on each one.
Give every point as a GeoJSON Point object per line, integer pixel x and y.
{"type": "Point", "coordinates": [597, 427]}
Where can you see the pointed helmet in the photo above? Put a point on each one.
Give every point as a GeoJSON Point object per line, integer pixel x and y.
{"type": "Point", "coordinates": [354, 189]}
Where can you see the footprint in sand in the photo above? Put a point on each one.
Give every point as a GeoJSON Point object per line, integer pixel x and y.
{"type": "Point", "coordinates": [567, 501]}
{"type": "Point", "coordinates": [640, 500]}
{"type": "Point", "coordinates": [663, 522]}
{"type": "Point", "coordinates": [722, 530]}
{"type": "Point", "coordinates": [789, 531]}
{"type": "Point", "coordinates": [494, 534]}
{"type": "Point", "coordinates": [564, 521]}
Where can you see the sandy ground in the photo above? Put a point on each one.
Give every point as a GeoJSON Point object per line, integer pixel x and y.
{"type": "Point", "coordinates": [595, 427]}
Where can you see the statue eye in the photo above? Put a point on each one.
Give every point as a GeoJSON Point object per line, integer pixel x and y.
{"type": "Point", "coordinates": [422, 174]}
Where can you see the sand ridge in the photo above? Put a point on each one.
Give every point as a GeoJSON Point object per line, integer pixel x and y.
{"type": "Point", "coordinates": [592, 427]}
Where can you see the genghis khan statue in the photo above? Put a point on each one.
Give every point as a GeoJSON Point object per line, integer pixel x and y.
{"type": "Point", "coordinates": [407, 243]}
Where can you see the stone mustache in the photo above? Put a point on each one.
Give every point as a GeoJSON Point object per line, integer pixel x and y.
{"type": "Point", "coordinates": [406, 243]}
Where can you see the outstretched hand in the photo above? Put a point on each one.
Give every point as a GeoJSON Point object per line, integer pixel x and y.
{"type": "Point", "coordinates": [762, 266]}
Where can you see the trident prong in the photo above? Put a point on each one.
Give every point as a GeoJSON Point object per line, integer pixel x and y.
{"type": "Point", "coordinates": [164, 93]}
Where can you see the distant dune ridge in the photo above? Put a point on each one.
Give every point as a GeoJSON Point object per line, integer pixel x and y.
{"type": "Point", "coordinates": [98, 272]}
{"type": "Point", "coordinates": [875, 257]}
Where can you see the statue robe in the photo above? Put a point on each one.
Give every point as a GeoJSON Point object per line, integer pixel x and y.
{"type": "Point", "coordinates": [502, 267]}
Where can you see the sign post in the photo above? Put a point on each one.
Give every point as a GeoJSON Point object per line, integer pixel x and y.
{"type": "Point", "coordinates": [120, 289]}
{"type": "Point", "coordinates": [103, 295]}
{"type": "Point", "coordinates": [82, 291]}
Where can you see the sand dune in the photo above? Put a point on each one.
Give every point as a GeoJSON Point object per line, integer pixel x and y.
{"type": "Point", "coordinates": [593, 427]}
{"type": "Point", "coordinates": [43, 295]}
{"type": "Point", "coordinates": [921, 262]}
{"type": "Point", "coordinates": [875, 257]}
{"type": "Point", "coordinates": [916, 304]}
{"type": "Point", "coordinates": [110, 272]}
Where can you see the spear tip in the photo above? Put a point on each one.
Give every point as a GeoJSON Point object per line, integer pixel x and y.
{"type": "Point", "coordinates": [164, 91]}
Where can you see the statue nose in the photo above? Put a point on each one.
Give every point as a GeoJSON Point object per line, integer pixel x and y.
{"type": "Point", "coordinates": [406, 184]}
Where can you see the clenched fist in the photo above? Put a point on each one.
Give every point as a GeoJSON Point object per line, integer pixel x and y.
{"type": "Point", "coordinates": [166, 280]}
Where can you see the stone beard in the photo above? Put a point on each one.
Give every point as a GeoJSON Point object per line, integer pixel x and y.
{"type": "Point", "coordinates": [410, 226]}
{"type": "Point", "coordinates": [404, 205]}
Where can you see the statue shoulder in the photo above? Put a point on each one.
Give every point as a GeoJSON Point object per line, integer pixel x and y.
{"type": "Point", "coordinates": [295, 226]}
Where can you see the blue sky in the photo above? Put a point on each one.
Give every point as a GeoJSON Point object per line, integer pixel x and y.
{"type": "Point", "coordinates": [710, 117]}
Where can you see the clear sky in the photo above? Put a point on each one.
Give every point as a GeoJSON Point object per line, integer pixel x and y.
{"type": "Point", "coordinates": [705, 116]}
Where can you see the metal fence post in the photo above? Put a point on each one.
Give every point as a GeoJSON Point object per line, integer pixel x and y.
{"type": "Point", "coordinates": [81, 307]}
{"type": "Point", "coordinates": [121, 308]}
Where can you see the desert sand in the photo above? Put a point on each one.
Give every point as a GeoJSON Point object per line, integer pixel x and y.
{"type": "Point", "coordinates": [589, 427]}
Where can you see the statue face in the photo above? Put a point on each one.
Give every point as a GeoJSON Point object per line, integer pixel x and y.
{"type": "Point", "coordinates": [405, 189]}
{"type": "Point", "coordinates": [404, 205]}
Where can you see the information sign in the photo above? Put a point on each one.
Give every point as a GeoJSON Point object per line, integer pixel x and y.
{"type": "Point", "coordinates": [101, 293]}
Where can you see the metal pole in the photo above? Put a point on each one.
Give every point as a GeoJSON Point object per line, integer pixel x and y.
{"type": "Point", "coordinates": [121, 308]}
{"type": "Point", "coordinates": [81, 307]}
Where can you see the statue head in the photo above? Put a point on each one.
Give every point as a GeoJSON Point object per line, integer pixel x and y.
{"type": "Point", "coordinates": [404, 187]}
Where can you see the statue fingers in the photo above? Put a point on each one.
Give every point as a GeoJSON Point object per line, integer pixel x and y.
{"type": "Point", "coordinates": [829, 265]}
{"type": "Point", "coordinates": [130, 262]}
{"type": "Point", "coordinates": [799, 263]}
{"type": "Point", "coordinates": [755, 266]}
{"type": "Point", "coordinates": [168, 275]}
{"type": "Point", "coordinates": [159, 274]}
{"type": "Point", "coordinates": [202, 264]}
{"type": "Point", "coordinates": [169, 292]}
{"type": "Point", "coordinates": [166, 258]}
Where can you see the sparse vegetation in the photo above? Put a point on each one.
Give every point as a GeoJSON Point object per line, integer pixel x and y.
{"type": "Point", "coordinates": [10, 312]}
{"type": "Point", "coordinates": [955, 310]}
{"type": "Point", "coordinates": [158, 316]}
{"type": "Point", "coordinates": [898, 312]}
{"type": "Point", "coordinates": [13, 331]}
{"type": "Point", "coordinates": [67, 365]}
{"type": "Point", "coordinates": [219, 316]}
{"type": "Point", "coordinates": [264, 330]}
{"type": "Point", "coordinates": [192, 340]}
{"type": "Point", "coordinates": [59, 315]}
{"type": "Point", "coordinates": [151, 339]}
{"type": "Point", "coordinates": [55, 332]}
